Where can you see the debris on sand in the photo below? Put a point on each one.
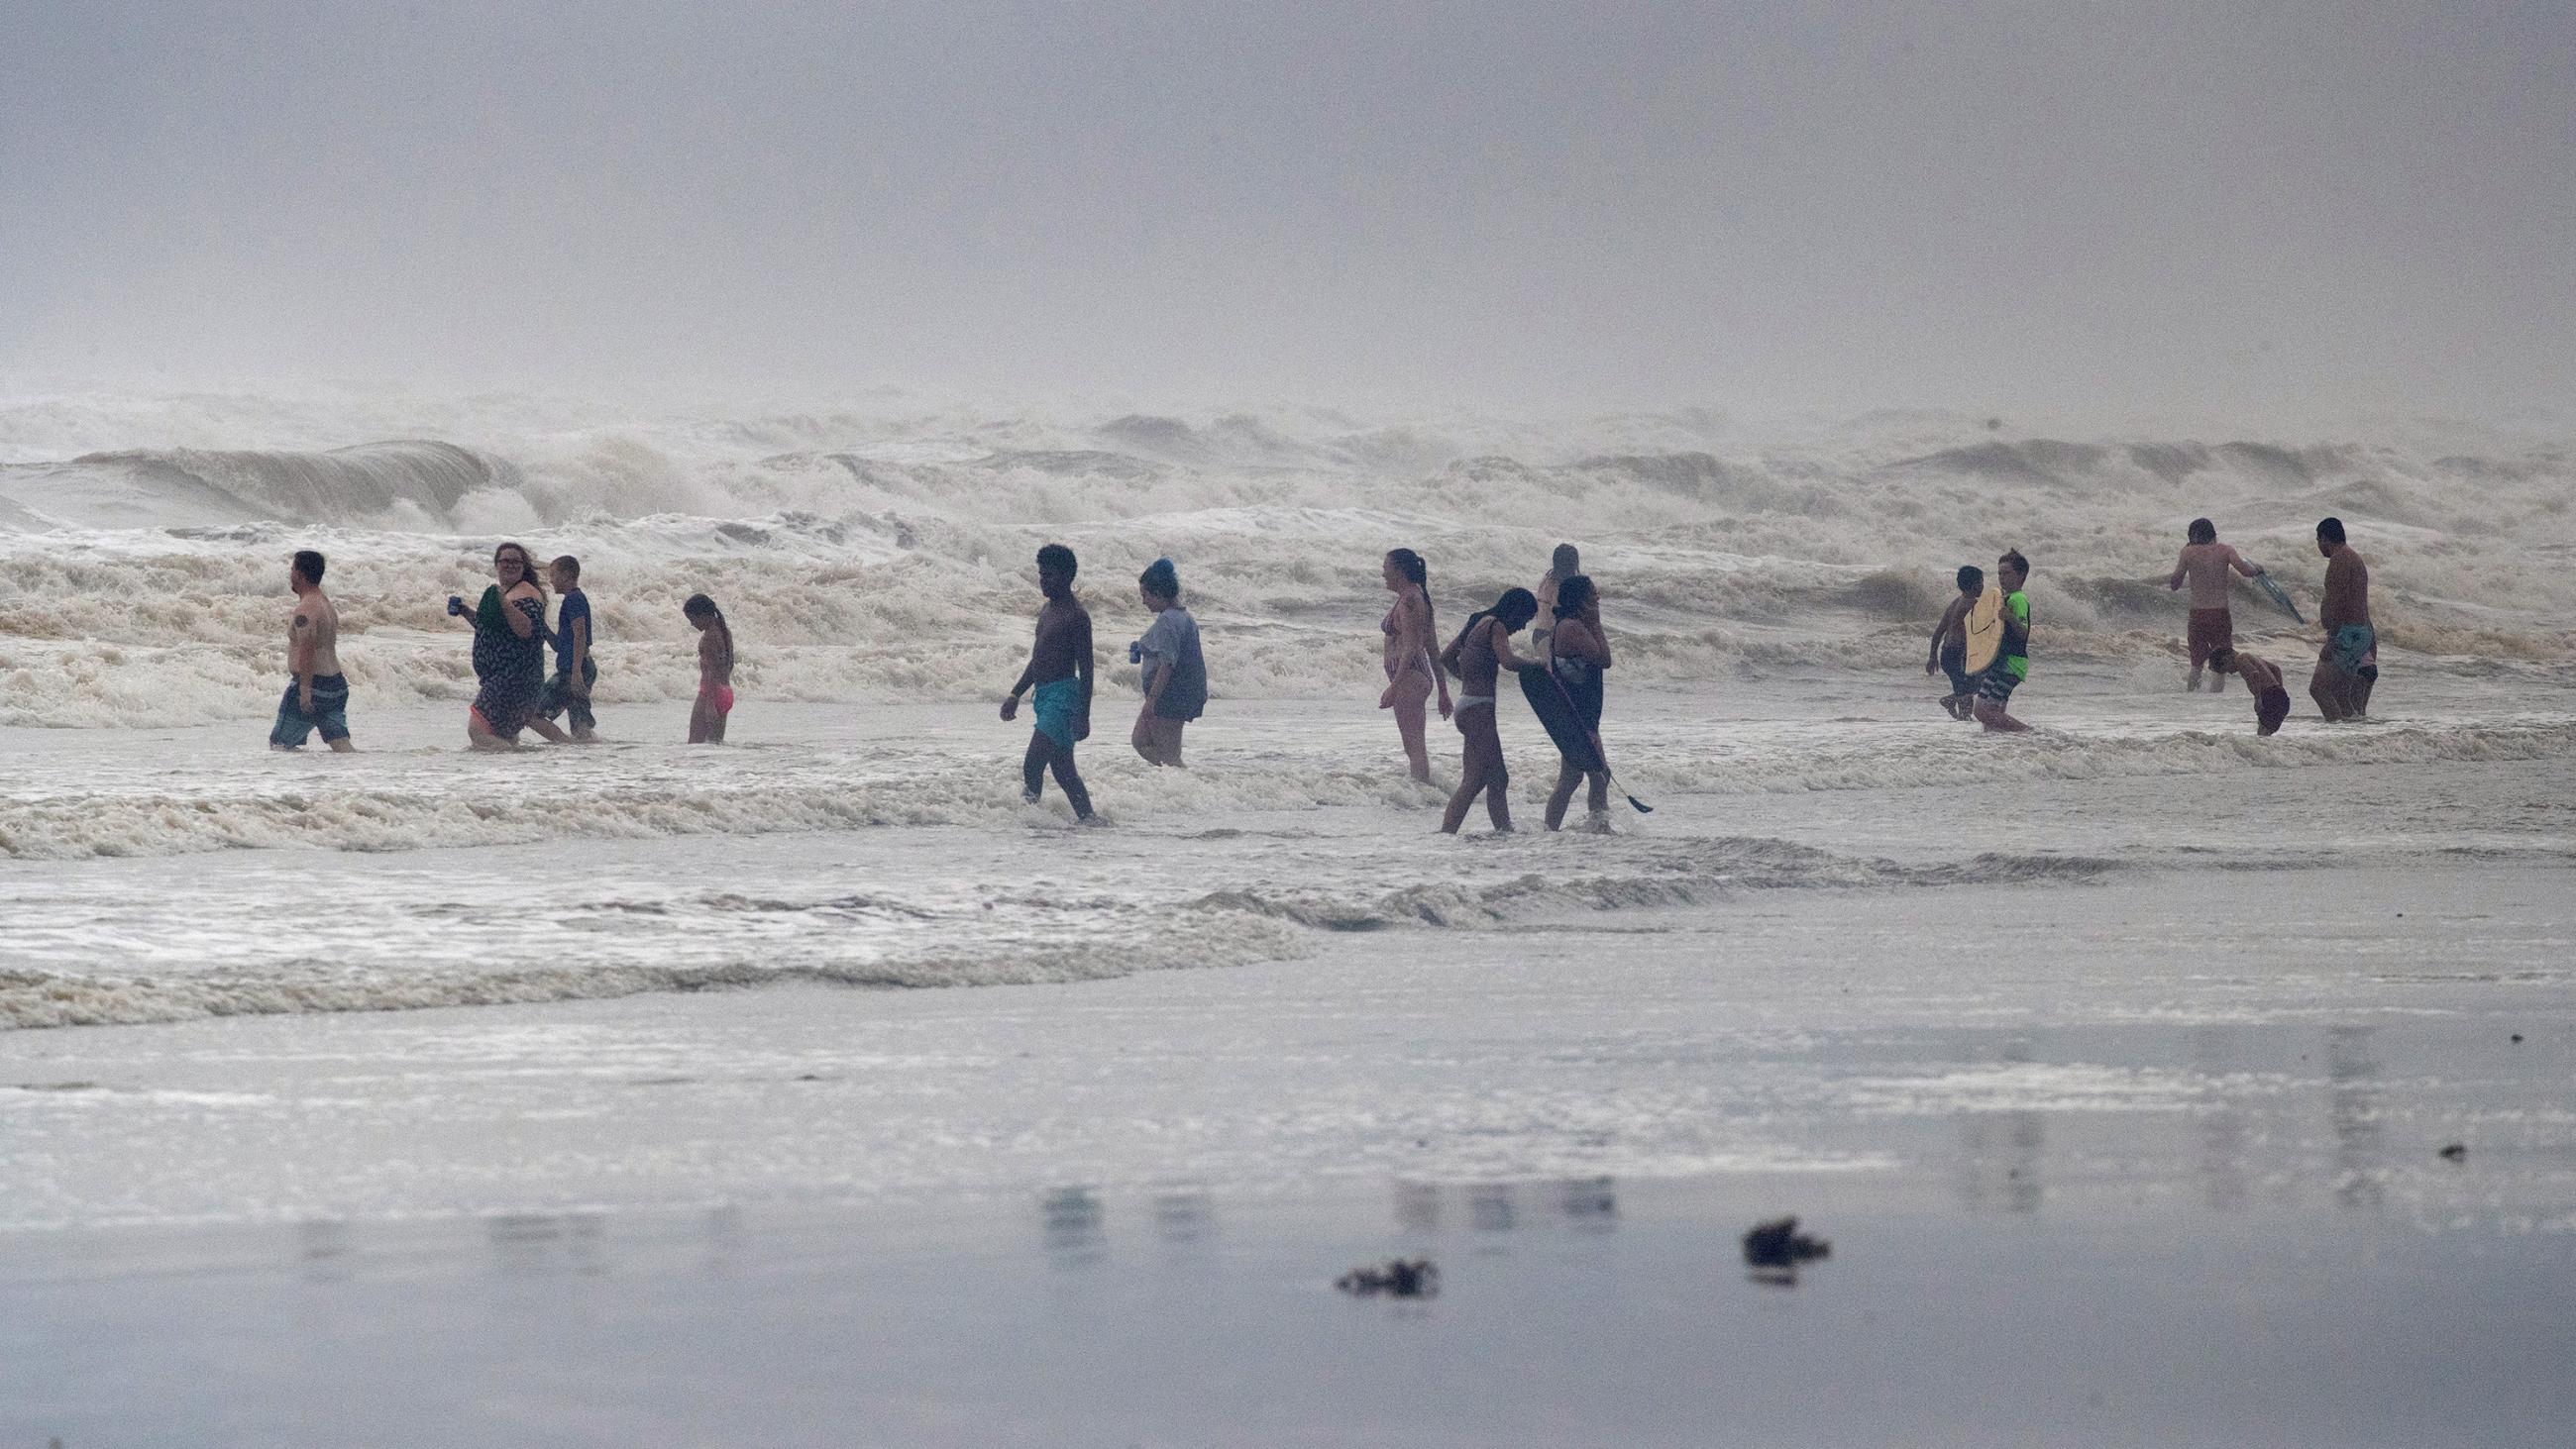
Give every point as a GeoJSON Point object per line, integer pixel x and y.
{"type": "Point", "coordinates": [1400, 1278]}
{"type": "Point", "coordinates": [1779, 1247]}
{"type": "Point", "coordinates": [2456, 1152]}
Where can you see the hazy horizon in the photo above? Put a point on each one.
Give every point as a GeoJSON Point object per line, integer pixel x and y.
{"type": "Point", "coordinates": [2321, 211]}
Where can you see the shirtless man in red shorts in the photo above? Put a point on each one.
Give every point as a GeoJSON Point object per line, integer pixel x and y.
{"type": "Point", "coordinates": [2204, 565]}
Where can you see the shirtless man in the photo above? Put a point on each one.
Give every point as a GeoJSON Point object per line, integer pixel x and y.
{"type": "Point", "coordinates": [1949, 651]}
{"type": "Point", "coordinates": [2204, 564]}
{"type": "Point", "coordinates": [1060, 670]}
{"type": "Point", "coordinates": [2349, 664]}
{"type": "Point", "coordinates": [319, 697]}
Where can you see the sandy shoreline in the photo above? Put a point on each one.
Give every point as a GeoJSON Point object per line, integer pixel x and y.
{"type": "Point", "coordinates": [2083, 1187]}
{"type": "Point", "coordinates": [1583, 1313]}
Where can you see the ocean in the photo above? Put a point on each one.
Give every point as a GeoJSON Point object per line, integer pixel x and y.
{"type": "Point", "coordinates": [589, 1061]}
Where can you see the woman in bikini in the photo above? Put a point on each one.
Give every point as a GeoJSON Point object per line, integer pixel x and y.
{"type": "Point", "coordinates": [1410, 640]}
{"type": "Point", "coordinates": [1479, 655]}
{"type": "Point", "coordinates": [509, 654]}
{"type": "Point", "coordinates": [715, 671]}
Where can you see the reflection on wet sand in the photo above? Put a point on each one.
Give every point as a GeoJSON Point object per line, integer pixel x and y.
{"type": "Point", "coordinates": [538, 1244]}
{"type": "Point", "coordinates": [1184, 1217]}
{"type": "Point", "coordinates": [2352, 1115]}
{"type": "Point", "coordinates": [1586, 1204]}
{"type": "Point", "coordinates": [323, 1250]}
{"type": "Point", "coordinates": [2220, 1164]}
{"type": "Point", "coordinates": [1999, 1154]}
{"type": "Point", "coordinates": [1417, 1207]}
{"type": "Point", "coordinates": [1589, 1204]}
{"type": "Point", "coordinates": [1073, 1219]}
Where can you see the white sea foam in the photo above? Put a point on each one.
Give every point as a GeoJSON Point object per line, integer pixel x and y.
{"type": "Point", "coordinates": [1768, 593]}
{"type": "Point", "coordinates": [420, 939]}
{"type": "Point", "coordinates": [433, 800]}
{"type": "Point", "coordinates": [883, 551]}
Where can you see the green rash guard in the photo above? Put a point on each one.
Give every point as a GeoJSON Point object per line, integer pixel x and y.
{"type": "Point", "coordinates": [2017, 608]}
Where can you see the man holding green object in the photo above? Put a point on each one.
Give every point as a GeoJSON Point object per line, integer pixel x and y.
{"type": "Point", "coordinates": [2012, 663]}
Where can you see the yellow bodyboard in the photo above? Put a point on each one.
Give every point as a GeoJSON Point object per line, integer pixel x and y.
{"type": "Point", "coordinates": [1985, 625]}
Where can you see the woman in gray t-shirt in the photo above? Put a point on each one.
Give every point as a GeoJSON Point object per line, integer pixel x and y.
{"type": "Point", "coordinates": [1175, 673]}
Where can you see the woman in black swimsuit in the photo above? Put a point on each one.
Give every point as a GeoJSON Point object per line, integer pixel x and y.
{"type": "Point", "coordinates": [1577, 652]}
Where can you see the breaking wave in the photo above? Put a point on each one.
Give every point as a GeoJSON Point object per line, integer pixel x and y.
{"type": "Point", "coordinates": [884, 549]}
{"type": "Point", "coordinates": [995, 936]}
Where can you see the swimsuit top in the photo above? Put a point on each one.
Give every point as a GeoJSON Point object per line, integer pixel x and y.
{"type": "Point", "coordinates": [1478, 666]}
{"type": "Point", "coordinates": [1387, 624]}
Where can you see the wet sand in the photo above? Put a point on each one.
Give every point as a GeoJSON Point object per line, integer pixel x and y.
{"type": "Point", "coordinates": [2093, 1173]}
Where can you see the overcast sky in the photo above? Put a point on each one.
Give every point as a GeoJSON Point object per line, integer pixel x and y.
{"type": "Point", "coordinates": [2265, 210]}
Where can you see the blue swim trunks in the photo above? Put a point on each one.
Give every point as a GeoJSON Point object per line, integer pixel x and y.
{"type": "Point", "coordinates": [2355, 650]}
{"type": "Point", "coordinates": [1055, 706]}
{"type": "Point", "coordinates": [330, 713]}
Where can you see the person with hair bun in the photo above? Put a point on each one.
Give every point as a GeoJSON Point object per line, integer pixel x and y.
{"type": "Point", "coordinates": [1478, 656]}
{"type": "Point", "coordinates": [1174, 675]}
{"type": "Point", "coordinates": [1411, 640]}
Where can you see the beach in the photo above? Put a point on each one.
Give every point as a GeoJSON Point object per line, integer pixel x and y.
{"type": "Point", "coordinates": [2126, 1129]}
{"type": "Point", "coordinates": [817, 1089]}
{"type": "Point", "coordinates": [2105, 1195]}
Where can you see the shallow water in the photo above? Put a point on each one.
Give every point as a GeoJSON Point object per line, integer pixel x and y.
{"type": "Point", "coordinates": [179, 873]}
{"type": "Point", "coordinates": [2118, 1059]}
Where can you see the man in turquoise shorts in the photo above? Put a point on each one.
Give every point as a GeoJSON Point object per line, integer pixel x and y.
{"type": "Point", "coordinates": [2012, 663]}
{"type": "Point", "coordinates": [1060, 669]}
{"type": "Point", "coordinates": [2349, 664]}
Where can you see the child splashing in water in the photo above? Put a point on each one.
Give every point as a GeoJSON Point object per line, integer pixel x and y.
{"type": "Point", "coordinates": [715, 671]}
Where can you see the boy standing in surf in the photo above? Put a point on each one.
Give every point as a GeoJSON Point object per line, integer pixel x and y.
{"type": "Point", "coordinates": [2204, 564]}
{"type": "Point", "coordinates": [318, 698]}
{"type": "Point", "coordinates": [1949, 652]}
{"type": "Point", "coordinates": [2263, 677]}
{"type": "Point", "coordinates": [575, 670]}
{"type": "Point", "coordinates": [2349, 664]}
{"type": "Point", "coordinates": [2012, 662]}
{"type": "Point", "coordinates": [1060, 670]}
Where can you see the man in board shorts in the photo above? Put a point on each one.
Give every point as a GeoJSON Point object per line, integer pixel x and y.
{"type": "Point", "coordinates": [318, 697]}
{"type": "Point", "coordinates": [2348, 666]}
{"type": "Point", "coordinates": [1059, 671]}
